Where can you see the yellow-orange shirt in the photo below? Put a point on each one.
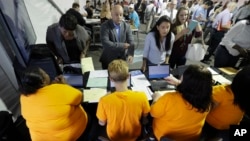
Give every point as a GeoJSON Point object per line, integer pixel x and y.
{"type": "Point", "coordinates": [225, 113]}
{"type": "Point", "coordinates": [123, 111]}
{"type": "Point", "coordinates": [175, 118]}
{"type": "Point", "coordinates": [54, 113]}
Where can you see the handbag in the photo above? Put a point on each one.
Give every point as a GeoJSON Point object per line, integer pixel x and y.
{"type": "Point", "coordinates": [196, 49]}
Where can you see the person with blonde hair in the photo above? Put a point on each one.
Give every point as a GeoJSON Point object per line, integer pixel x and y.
{"type": "Point", "coordinates": [125, 125]}
{"type": "Point", "coordinates": [105, 12]}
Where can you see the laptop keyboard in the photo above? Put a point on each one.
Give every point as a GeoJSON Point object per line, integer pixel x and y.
{"type": "Point", "coordinates": [161, 85]}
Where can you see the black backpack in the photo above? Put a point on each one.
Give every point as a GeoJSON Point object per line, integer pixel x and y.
{"type": "Point", "coordinates": [13, 131]}
{"type": "Point", "coordinates": [7, 128]}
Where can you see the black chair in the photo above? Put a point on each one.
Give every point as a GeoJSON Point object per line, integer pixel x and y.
{"type": "Point", "coordinates": [13, 131]}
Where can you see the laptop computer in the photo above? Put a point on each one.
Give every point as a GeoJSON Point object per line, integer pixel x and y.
{"type": "Point", "coordinates": [75, 80]}
{"type": "Point", "coordinates": [156, 75]}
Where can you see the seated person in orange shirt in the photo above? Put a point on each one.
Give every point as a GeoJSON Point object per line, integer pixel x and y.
{"type": "Point", "coordinates": [231, 102]}
{"type": "Point", "coordinates": [180, 115]}
{"type": "Point", "coordinates": [123, 109]}
{"type": "Point", "coordinates": [53, 112]}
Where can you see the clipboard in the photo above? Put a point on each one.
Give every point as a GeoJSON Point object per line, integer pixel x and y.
{"type": "Point", "coordinates": [191, 26]}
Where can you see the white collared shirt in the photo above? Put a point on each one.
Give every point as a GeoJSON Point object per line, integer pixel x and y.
{"type": "Point", "coordinates": [238, 34]}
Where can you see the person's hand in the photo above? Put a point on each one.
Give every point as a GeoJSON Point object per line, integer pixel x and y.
{"type": "Point", "coordinates": [243, 52]}
{"type": "Point", "coordinates": [82, 55]}
{"type": "Point", "coordinates": [126, 45]}
{"type": "Point", "coordinates": [172, 80]}
{"type": "Point", "coordinates": [143, 68]}
{"type": "Point", "coordinates": [184, 31]}
{"type": "Point", "coordinates": [199, 18]}
{"type": "Point", "coordinates": [130, 59]}
{"type": "Point", "coordinates": [59, 79]}
{"type": "Point", "coordinates": [59, 60]}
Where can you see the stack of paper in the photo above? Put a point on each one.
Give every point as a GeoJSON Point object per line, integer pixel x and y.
{"type": "Point", "coordinates": [221, 79]}
{"type": "Point", "coordinates": [228, 70]}
{"type": "Point", "coordinates": [97, 79]}
{"type": "Point", "coordinates": [213, 72]}
{"type": "Point", "coordinates": [93, 95]}
{"type": "Point", "coordinates": [140, 83]}
{"type": "Point", "coordinates": [139, 79]}
{"type": "Point", "coordinates": [144, 89]}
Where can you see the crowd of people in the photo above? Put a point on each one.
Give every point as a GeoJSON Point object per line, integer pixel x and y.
{"type": "Point", "coordinates": [208, 108]}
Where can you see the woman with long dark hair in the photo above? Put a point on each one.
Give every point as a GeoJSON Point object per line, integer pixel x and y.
{"type": "Point", "coordinates": [52, 111]}
{"type": "Point", "coordinates": [158, 43]}
{"type": "Point", "coordinates": [180, 115]}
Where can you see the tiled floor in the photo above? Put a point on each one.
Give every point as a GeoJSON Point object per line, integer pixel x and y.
{"type": "Point", "coordinates": [96, 52]}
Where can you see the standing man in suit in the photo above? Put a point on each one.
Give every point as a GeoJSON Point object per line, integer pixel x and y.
{"type": "Point", "coordinates": [117, 39]}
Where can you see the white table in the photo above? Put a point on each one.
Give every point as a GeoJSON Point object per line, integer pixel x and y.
{"type": "Point", "coordinates": [95, 15]}
{"type": "Point", "coordinates": [93, 21]}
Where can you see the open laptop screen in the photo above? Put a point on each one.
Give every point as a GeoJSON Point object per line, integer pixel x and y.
{"type": "Point", "coordinates": [75, 80]}
{"type": "Point", "coordinates": [158, 71]}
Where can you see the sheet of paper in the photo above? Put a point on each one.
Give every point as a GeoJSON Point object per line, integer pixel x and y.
{"type": "Point", "coordinates": [98, 73]}
{"type": "Point", "coordinates": [221, 79]}
{"type": "Point", "coordinates": [140, 80]}
{"type": "Point", "coordinates": [164, 92]}
{"type": "Point", "coordinates": [135, 72]}
{"type": "Point", "coordinates": [97, 82]}
{"type": "Point", "coordinates": [212, 71]}
{"type": "Point", "coordinates": [228, 70]}
{"type": "Point", "coordinates": [87, 64]}
{"type": "Point", "coordinates": [93, 95]}
{"type": "Point", "coordinates": [144, 89]}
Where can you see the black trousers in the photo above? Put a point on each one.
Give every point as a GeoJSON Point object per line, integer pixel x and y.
{"type": "Point", "coordinates": [215, 39]}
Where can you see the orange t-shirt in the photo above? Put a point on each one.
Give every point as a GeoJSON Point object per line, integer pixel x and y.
{"type": "Point", "coordinates": [54, 113]}
{"type": "Point", "coordinates": [225, 113]}
{"type": "Point", "coordinates": [123, 111]}
{"type": "Point", "coordinates": [175, 118]}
